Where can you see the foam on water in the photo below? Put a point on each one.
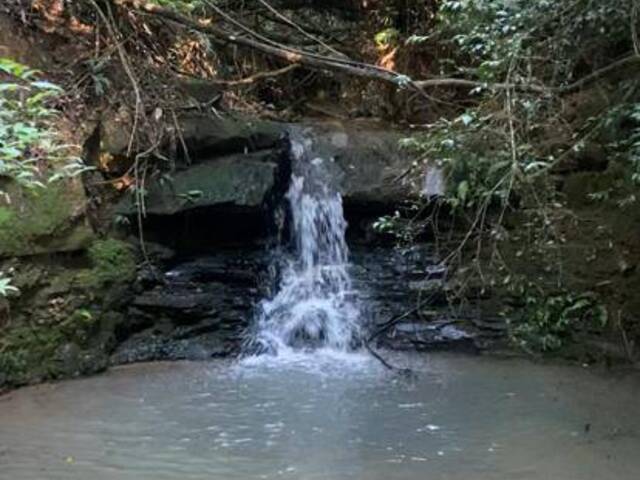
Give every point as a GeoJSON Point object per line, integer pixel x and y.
{"type": "Point", "coordinates": [323, 362]}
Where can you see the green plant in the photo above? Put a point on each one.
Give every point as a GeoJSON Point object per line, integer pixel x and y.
{"type": "Point", "coordinates": [622, 125]}
{"type": "Point", "coordinates": [96, 74]}
{"type": "Point", "coordinates": [387, 38]}
{"type": "Point", "coordinates": [185, 6]}
{"type": "Point", "coordinates": [78, 326]}
{"type": "Point", "coordinates": [474, 155]}
{"type": "Point", "coordinates": [5, 286]}
{"type": "Point", "coordinates": [192, 196]}
{"type": "Point", "coordinates": [490, 35]}
{"type": "Point", "coordinates": [31, 154]}
{"type": "Point", "coordinates": [547, 322]}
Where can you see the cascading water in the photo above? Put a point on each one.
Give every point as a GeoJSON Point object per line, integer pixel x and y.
{"type": "Point", "coordinates": [315, 305]}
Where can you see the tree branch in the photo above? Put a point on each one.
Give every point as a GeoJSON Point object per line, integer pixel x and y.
{"type": "Point", "coordinates": [257, 76]}
{"type": "Point", "coordinates": [290, 55]}
{"type": "Point", "coordinates": [355, 68]}
{"type": "Point", "coordinates": [625, 62]}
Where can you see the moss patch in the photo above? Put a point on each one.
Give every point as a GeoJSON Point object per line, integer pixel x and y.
{"type": "Point", "coordinates": [42, 220]}
{"type": "Point", "coordinates": [113, 262]}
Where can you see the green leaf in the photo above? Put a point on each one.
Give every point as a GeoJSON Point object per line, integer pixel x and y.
{"type": "Point", "coordinates": [10, 153]}
{"type": "Point", "coordinates": [463, 190]}
{"type": "Point", "coordinates": [466, 119]}
{"type": "Point", "coordinates": [43, 85]}
{"type": "Point", "coordinates": [9, 87]}
{"type": "Point", "coordinates": [6, 288]}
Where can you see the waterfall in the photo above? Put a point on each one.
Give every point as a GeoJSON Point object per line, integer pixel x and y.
{"type": "Point", "coordinates": [314, 305]}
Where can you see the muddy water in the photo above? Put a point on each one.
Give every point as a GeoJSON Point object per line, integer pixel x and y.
{"type": "Point", "coordinates": [327, 417]}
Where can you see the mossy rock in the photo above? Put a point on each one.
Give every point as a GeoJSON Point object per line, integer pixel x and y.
{"type": "Point", "coordinates": [44, 220]}
{"type": "Point", "coordinates": [42, 352]}
{"type": "Point", "coordinates": [63, 320]}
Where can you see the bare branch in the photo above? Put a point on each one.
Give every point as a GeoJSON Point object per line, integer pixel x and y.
{"type": "Point", "coordinates": [258, 76]}
{"type": "Point", "coordinates": [355, 68]}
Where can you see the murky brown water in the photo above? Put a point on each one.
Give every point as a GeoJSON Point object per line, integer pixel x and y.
{"type": "Point", "coordinates": [326, 417]}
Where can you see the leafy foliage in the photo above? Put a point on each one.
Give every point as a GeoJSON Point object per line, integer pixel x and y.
{"type": "Point", "coordinates": [30, 152]}
{"type": "Point", "coordinates": [553, 36]}
{"type": "Point", "coordinates": [500, 137]}
{"type": "Point", "coordinates": [186, 6]}
{"type": "Point", "coordinates": [5, 286]}
{"type": "Point", "coordinates": [548, 322]}
{"type": "Point", "coordinates": [474, 156]}
{"type": "Point", "coordinates": [621, 124]}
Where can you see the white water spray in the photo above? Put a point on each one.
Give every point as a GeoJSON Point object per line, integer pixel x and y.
{"type": "Point", "coordinates": [315, 305]}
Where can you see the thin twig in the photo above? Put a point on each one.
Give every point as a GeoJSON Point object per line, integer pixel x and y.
{"type": "Point", "coordinates": [289, 22]}
{"type": "Point", "coordinates": [258, 76]}
{"type": "Point", "coordinates": [127, 67]}
{"type": "Point", "coordinates": [634, 26]}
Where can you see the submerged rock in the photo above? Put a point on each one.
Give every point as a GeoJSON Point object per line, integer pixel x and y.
{"type": "Point", "coordinates": [436, 336]}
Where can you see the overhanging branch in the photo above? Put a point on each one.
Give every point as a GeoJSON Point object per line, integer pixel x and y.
{"type": "Point", "coordinates": [290, 55]}
{"type": "Point", "coordinates": [623, 63]}
{"type": "Point", "coordinates": [360, 69]}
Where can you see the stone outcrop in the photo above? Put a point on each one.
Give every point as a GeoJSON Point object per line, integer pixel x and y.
{"type": "Point", "coordinates": [195, 305]}
{"type": "Point", "coordinates": [205, 136]}
{"type": "Point", "coordinates": [205, 307]}
{"type": "Point", "coordinates": [239, 169]}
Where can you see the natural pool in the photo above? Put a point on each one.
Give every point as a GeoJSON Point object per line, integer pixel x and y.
{"type": "Point", "coordinates": [327, 416]}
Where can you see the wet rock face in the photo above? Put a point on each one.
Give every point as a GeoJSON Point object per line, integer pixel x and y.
{"type": "Point", "coordinates": [197, 310]}
{"type": "Point", "coordinates": [224, 193]}
{"type": "Point", "coordinates": [441, 335]}
{"type": "Point", "coordinates": [241, 182]}
{"type": "Point", "coordinates": [374, 166]}
{"type": "Point", "coordinates": [408, 289]}
{"type": "Point", "coordinates": [204, 307]}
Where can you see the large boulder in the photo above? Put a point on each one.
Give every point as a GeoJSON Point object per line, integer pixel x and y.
{"type": "Point", "coordinates": [375, 168]}
{"type": "Point", "coordinates": [204, 135]}
{"type": "Point", "coordinates": [238, 182]}
{"type": "Point", "coordinates": [219, 135]}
